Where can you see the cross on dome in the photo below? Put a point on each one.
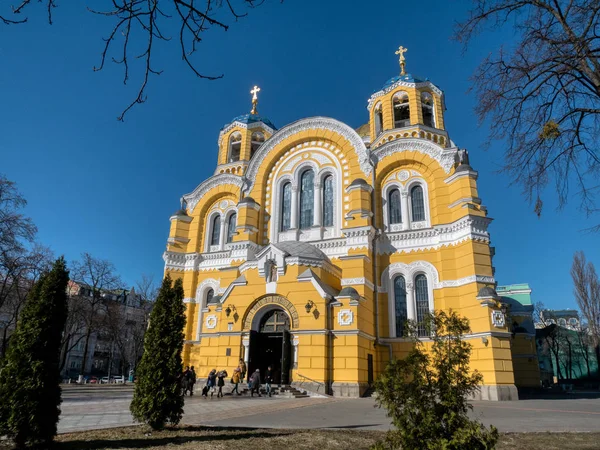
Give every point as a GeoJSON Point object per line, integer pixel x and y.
{"type": "Point", "coordinates": [401, 50]}
{"type": "Point", "coordinates": [254, 91]}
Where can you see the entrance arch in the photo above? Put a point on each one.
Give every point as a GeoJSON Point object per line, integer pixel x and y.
{"type": "Point", "coordinates": [270, 342]}
{"type": "Point", "coordinates": [265, 303]}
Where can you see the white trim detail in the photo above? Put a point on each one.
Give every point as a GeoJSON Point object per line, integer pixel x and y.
{"type": "Point", "coordinates": [345, 317]}
{"type": "Point", "coordinates": [312, 123]}
{"type": "Point", "coordinates": [211, 322]}
{"type": "Point", "coordinates": [444, 156]}
{"type": "Point", "coordinates": [402, 83]}
{"type": "Point", "coordinates": [194, 197]}
{"type": "Point", "coordinates": [355, 281]}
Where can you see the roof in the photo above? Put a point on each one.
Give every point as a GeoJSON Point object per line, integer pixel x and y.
{"type": "Point", "coordinates": [248, 200]}
{"type": "Point", "coordinates": [359, 182]}
{"type": "Point", "coordinates": [308, 273]}
{"type": "Point", "coordinates": [364, 130]}
{"type": "Point", "coordinates": [409, 78]}
{"type": "Point", "coordinates": [254, 118]}
{"type": "Point", "coordinates": [349, 291]}
{"type": "Point", "coordinates": [552, 313]}
{"type": "Point", "coordinates": [487, 292]}
{"type": "Point", "coordinates": [301, 250]}
{"type": "Point", "coordinates": [180, 212]}
{"type": "Point", "coordinates": [517, 295]}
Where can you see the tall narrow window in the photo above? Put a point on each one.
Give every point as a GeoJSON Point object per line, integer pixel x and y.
{"type": "Point", "coordinates": [257, 139]}
{"type": "Point", "coordinates": [422, 303]}
{"type": "Point", "coordinates": [209, 296]}
{"type": "Point", "coordinates": [307, 199]}
{"type": "Point", "coordinates": [216, 230]}
{"type": "Point", "coordinates": [394, 206]}
{"type": "Point", "coordinates": [286, 206]}
{"type": "Point", "coordinates": [378, 119]}
{"type": "Point", "coordinates": [427, 108]}
{"type": "Point", "coordinates": [418, 204]}
{"type": "Point", "coordinates": [401, 110]}
{"type": "Point", "coordinates": [328, 201]}
{"type": "Point", "coordinates": [231, 224]}
{"type": "Point", "coordinates": [400, 304]}
{"type": "Point", "coordinates": [235, 147]}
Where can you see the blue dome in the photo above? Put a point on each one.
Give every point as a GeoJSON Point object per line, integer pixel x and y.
{"type": "Point", "coordinates": [408, 78]}
{"type": "Point", "coordinates": [253, 118]}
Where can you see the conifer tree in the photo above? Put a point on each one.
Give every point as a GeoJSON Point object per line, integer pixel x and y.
{"type": "Point", "coordinates": [157, 398]}
{"type": "Point", "coordinates": [29, 376]}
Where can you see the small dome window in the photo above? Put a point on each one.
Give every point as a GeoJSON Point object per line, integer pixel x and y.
{"type": "Point", "coordinates": [427, 108]}
{"type": "Point", "coordinates": [378, 119]}
{"type": "Point", "coordinates": [235, 147]}
{"type": "Point", "coordinates": [257, 140]}
{"type": "Point", "coordinates": [401, 110]}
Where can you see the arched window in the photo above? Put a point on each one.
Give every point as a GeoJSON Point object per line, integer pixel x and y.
{"type": "Point", "coordinates": [401, 110]}
{"type": "Point", "coordinates": [307, 199]}
{"type": "Point", "coordinates": [286, 206]}
{"type": "Point", "coordinates": [216, 230]}
{"type": "Point", "coordinates": [378, 119]}
{"type": "Point", "coordinates": [394, 210]}
{"type": "Point", "coordinates": [209, 296]}
{"type": "Point", "coordinates": [417, 203]}
{"type": "Point", "coordinates": [274, 321]}
{"type": "Point", "coordinates": [400, 304]}
{"type": "Point", "coordinates": [328, 201]}
{"type": "Point", "coordinates": [257, 139]}
{"type": "Point", "coordinates": [235, 147]}
{"type": "Point", "coordinates": [231, 224]}
{"type": "Point", "coordinates": [427, 108]}
{"type": "Point", "coordinates": [422, 303]}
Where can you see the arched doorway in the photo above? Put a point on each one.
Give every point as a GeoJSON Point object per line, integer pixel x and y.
{"type": "Point", "coordinates": [270, 345]}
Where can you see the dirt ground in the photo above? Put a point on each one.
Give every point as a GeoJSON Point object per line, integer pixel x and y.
{"type": "Point", "coordinates": [206, 438]}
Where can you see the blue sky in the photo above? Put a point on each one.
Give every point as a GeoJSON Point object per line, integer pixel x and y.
{"type": "Point", "coordinates": [97, 185]}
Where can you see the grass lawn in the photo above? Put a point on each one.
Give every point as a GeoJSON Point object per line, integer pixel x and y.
{"type": "Point", "coordinates": [188, 438]}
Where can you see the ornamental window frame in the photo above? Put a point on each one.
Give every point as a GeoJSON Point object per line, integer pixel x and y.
{"type": "Point", "coordinates": [402, 105]}
{"type": "Point", "coordinates": [256, 143]}
{"type": "Point", "coordinates": [204, 287]}
{"type": "Point", "coordinates": [430, 108]}
{"type": "Point", "coordinates": [227, 232]}
{"type": "Point", "coordinates": [410, 272]}
{"type": "Point", "coordinates": [315, 232]}
{"type": "Point", "coordinates": [224, 216]}
{"type": "Point", "coordinates": [378, 118]}
{"type": "Point", "coordinates": [231, 143]}
{"type": "Point", "coordinates": [407, 222]}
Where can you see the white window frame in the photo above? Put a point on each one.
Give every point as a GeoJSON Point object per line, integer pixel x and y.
{"type": "Point", "coordinates": [407, 219]}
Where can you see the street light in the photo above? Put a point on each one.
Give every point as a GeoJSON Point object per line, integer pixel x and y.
{"type": "Point", "coordinates": [309, 306]}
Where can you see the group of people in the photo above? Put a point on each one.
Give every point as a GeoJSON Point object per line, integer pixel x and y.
{"type": "Point", "coordinates": [216, 381]}
{"type": "Point", "coordinates": [188, 379]}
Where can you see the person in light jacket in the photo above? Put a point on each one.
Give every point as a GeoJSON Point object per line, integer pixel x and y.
{"type": "Point", "coordinates": [235, 379]}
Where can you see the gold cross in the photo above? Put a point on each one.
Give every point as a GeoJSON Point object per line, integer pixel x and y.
{"type": "Point", "coordinates": [254, 91]}
{"type": "Point", "coordinates": [401, 50]}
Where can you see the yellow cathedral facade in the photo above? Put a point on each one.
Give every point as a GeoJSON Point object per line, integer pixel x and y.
{"type": "Point", "coordinates": [311, 245]}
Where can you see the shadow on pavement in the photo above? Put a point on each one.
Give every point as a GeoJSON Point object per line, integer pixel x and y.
{"type": "Point", "coordinates": [557, 395]}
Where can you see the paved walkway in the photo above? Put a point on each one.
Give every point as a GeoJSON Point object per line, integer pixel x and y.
{"type": "Point", "coordinates": [93, 407]}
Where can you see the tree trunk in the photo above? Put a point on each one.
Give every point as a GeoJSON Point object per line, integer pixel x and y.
{"type": "Point", "coordinates": [85, 350]}
{"type": "Point", "coordinates": [65, 352]}
{"type": "Point", "coordinates": [4, 343]}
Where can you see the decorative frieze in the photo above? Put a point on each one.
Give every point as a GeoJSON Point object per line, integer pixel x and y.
{"type": "Point", "coordinates": [192, 199]}
{"type": "Point", "coordinates": [445, 157]}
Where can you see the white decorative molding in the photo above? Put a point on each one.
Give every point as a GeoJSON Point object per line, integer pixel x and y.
{"type": "Point", "coordinates": [194, 197]}
{"type": "Point", "coordinates": [212, 283]}
{"type": "Point", "coordinates": [445, 157]}
{"type": "Point", "coordinates": [345, 317]}
{"type": "Point", "coordinates": [211, 322]}
{"type": "Point", "coordinates": [466, 280]}
{"type": "Point", "coordinates": [291, 163]}
{"type": "Point", "coordinates": [466, 228]}
{"type": "Point", "coordinates": [461, 174]}
{"type": "Point", "coordinates": [248, 126]}
{"type": "Point", "coordinates": [188, 300]}
{"type": "Point", "coordinates": [403, 175]}
{"type": "Point", "coordinates": [409, 271]}
{"type": "Point", "coordinates": [355, 281]}
{"type": "Point", "coordinates": [312, 123]}
{"type": "Point", "coordinates": [498, 319]}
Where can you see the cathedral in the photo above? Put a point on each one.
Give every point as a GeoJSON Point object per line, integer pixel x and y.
{"type": "Point", "coordinates": [311, 246]}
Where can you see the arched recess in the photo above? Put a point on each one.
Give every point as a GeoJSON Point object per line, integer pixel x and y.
{"type": "Point", "coordinates": [205, 212]}
{"type": "Point", "coordinates": [292, 134]}
{"type": "Point", "coordinates": [266, 303]}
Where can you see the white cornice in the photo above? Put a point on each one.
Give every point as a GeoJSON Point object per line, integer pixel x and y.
{"type": "Point", "coordinates": [246, 126]}
{"type": "Point", "coordinates": [402, 83]}
{"type": "Point", "coordinates": [444, 156]}
{"type": "Point", "coordinates": [312, 123]}
{"type": "Point", "coordinates": [194, 197]}
{"type": "Point", "coordinates": [461, 174]}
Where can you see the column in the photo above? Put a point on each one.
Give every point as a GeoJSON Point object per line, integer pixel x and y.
{"type": "Point", "coordinates": [222, 235]}
{"type": "Point", "coordinates": [318, 217]}
{"type": "Point", "coordinates": [410, 301]}
{"type": "Point", "coordinates": [405, 213]}
{"type": "Point", "coordinates": [294, 212]}
{"type": "Point", "coordinates": [246, 344]}
{"type": "Point", "coordinates": [295, 343]}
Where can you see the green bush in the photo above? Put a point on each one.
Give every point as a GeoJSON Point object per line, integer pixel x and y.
{"type": "Point", "coordinates": [30, 376]}
{"type": "Point", "coordinates": [157, 398]}
{"type": "Point", "coordinates": [426, 394]}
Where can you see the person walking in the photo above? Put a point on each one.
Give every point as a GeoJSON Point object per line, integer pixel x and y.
{"type": "Point", "coordinates": [185, 379]}
{"type": "Point", "coordinates": [211, 382]}
{"type": "Point", "coordinates": [242, 367]}
{"type": "Point", "coordinates": [221, 382]}
{"type": "Point", "coordinates": [235, 379]}
{"type": "Point", "coordinates": [255, 383]}
{"type": "Point", "coordinates": [268, 379]}
{"type": "Point", "coordinates": [192, 380]}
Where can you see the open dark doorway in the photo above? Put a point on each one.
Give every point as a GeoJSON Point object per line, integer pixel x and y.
{"type": "Point", "coordinates": [270, 346]}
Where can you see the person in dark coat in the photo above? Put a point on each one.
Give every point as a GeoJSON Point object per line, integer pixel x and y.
{"type": "Point", "coordinates": [221, 382]}
{"type": "Point", "coordinates": [268, 379]}
{"type": "Point", "coordinates": [255, 383]}
{"type": "Point", "coordinates": [192, 380]}
{"type": "Point", "coordinates": [211, 382]}
{"type": "Point", "coordinates": [242, 367]}
{"type": "Point", "coordinates": [185, 380]}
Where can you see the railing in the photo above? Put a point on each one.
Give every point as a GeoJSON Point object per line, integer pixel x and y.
{"type": "Point", "coordinates": [310, 379]}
